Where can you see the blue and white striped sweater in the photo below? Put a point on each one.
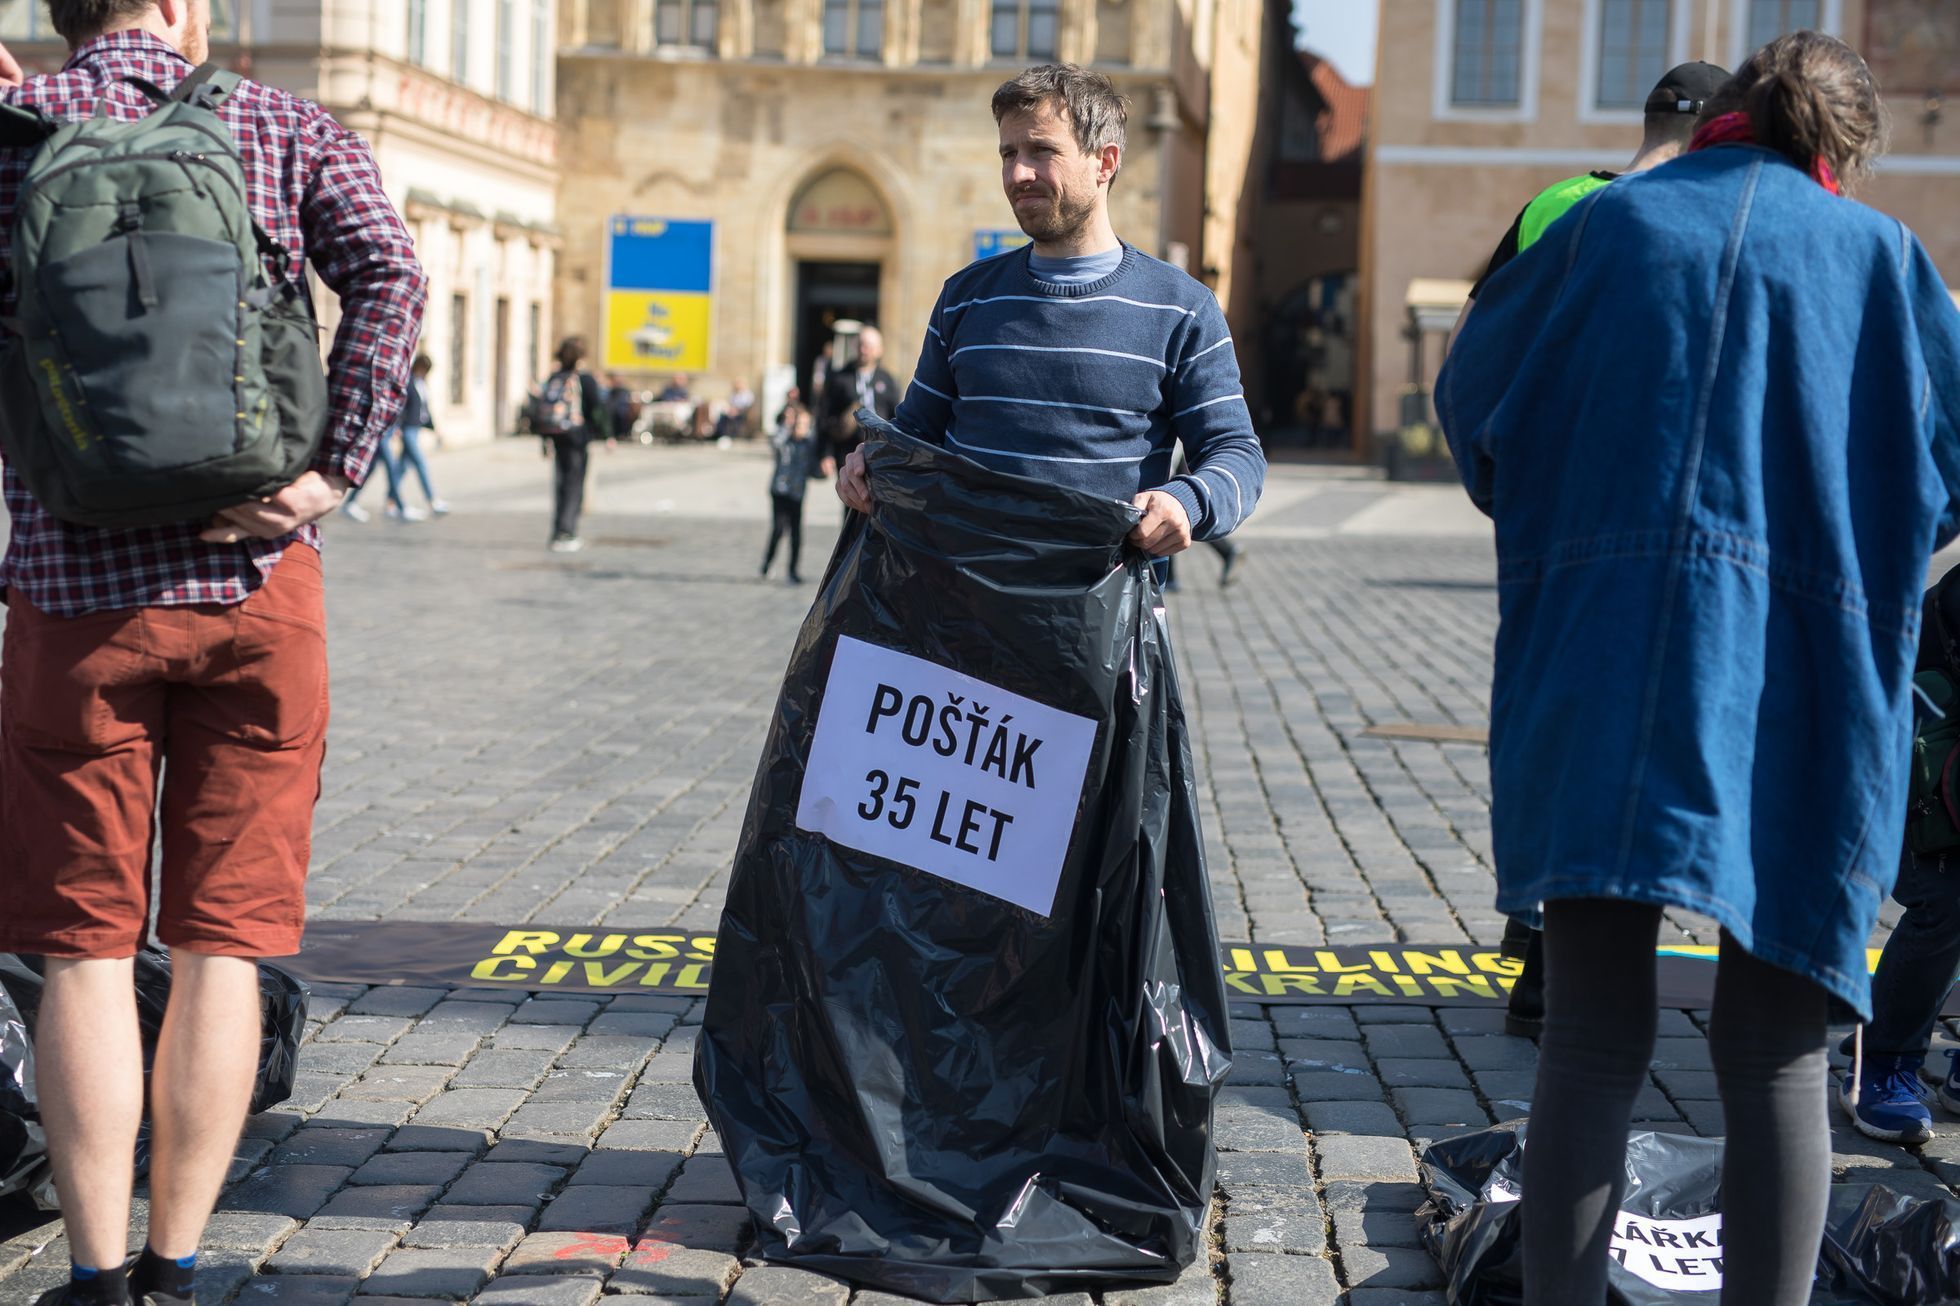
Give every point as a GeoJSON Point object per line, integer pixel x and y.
{"type": "Point", "coordinates": [1092, 385]}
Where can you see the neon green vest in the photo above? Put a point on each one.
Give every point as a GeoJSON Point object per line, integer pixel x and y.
{"type": "Point", "coordinates": [1552, 204]}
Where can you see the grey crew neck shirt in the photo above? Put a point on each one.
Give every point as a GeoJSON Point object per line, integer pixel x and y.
{"type": "Point", "coordinates": [1076, 271]}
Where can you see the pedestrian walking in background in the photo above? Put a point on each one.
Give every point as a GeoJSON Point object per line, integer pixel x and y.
{"type": "Point", "coordinates": [391, 468]}
{"type": "Point", "coordinates": [193, 651]}
{"type": "Point", "coordinates": [1714, 507]}
{"type": "Point", "coordinates": [567, 413]}
{"type": "Point", "coordinates": [793, 447]}
{"type": "Point", "coordinates": [844, 391]}
{"type": "Point", "coordinates": [417, 417]}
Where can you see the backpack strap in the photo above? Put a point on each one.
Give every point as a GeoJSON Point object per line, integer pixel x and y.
{"type": "Point", "coordinates": [206, 86]}
{"type": "Point", "coordinates": [23, 127]}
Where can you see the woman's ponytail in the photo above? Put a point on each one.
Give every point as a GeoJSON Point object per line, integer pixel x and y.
{"type": "Point", "coordinates": [1809, 96]}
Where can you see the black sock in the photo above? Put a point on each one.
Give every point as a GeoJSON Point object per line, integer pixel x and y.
{"type": "Point", "coordinates": [88, 1287]}
{"type": "Point", "coordinates": [164, 1274]}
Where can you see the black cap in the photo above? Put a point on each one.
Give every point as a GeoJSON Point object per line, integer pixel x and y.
{"type": "Point", "coordinates": [1686, 89]}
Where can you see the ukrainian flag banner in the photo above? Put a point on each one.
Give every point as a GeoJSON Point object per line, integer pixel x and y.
{"type": "Point", "coordinates": [658, 294]}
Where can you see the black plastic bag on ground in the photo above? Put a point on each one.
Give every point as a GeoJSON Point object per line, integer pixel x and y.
{"type": "Point", "coordinates": [1880, 1246]}
{"type": "Point", "coordinates": [964, 1043]}
{"type": "Point", "coordinates": [23, 1146]}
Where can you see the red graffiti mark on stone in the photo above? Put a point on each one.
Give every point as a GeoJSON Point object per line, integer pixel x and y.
{"type": "Point", "coordinates": [652, 1251]}
{"type": "Point", "coordinates": [609, 1245]}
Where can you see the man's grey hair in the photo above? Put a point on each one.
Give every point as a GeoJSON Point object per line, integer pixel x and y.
{"type": "Point", "coordinates": [1090, 101]}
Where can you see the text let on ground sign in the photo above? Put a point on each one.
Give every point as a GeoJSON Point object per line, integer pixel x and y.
{"type": "Point", "coordinates": [933, 769]}
{"type": "Point", "coordinates": [659, 284]}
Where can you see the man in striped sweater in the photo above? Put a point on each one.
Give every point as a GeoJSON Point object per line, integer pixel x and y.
{"type": "Point", "coordinates": [1080, 359]}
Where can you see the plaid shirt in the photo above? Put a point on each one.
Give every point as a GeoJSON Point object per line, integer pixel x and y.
{"type": "Point", "coordinates": [314, 187]}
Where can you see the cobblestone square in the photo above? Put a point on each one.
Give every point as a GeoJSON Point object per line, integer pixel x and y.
{"type": "Point", "coordinates": [527, 737]}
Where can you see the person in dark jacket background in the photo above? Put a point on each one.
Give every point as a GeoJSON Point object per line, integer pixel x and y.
{"type": "Point", "coordinates": [793, 446]}
{"type": "Point", "coordinates": [580, 402]}
{"type": "Point", "coordinates": [844, 391]}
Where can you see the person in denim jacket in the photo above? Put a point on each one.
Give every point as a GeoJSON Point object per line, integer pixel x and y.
{"type": "Point", "coordinates": [1714, 510]}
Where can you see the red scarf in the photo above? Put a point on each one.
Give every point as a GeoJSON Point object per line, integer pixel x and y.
{"type": "Point", "coordinates": [1734, 129]}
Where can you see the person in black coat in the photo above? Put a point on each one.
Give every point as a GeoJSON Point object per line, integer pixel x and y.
{"type": "Point", "coordinates": [868, 385]}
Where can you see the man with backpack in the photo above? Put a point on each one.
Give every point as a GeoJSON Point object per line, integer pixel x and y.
{"type": "Point", "coordinates": [567, 411]}
{"type": "Point", "coordinates": [170, 442]}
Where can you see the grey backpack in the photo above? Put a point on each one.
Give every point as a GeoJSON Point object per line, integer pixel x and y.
{"type": "Point", "coordinates": [153, 371]}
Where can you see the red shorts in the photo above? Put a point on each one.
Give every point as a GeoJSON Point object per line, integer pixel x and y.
{"type": "Point", "coordinates": [228, 705]}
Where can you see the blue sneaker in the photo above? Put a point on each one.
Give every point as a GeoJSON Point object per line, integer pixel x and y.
{"type": "Point", "coordinates": [1890, 1107]}
{"type": "Point", "coordinates": [1949, 1089]}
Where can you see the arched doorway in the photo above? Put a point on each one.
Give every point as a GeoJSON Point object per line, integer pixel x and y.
{"type": "Point", "coordinates": [1310, 364]}
{"type": "Point", "coordinates": [839, 245]}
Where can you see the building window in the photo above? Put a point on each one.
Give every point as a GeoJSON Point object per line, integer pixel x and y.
{"type": "Point", "coordinates": [1634, 37]}
{"type": "Point", "coordinates": [459, 40]}
{"type": "Point", "coordinates": [854, 29]}
{"type": "Point", "coordinates": [459, 340]}
{"type": "Point", "coordinates": [686, 22]}
{"type": "Point", "coordinates": [541, 56]}
{"type": "Point", "coordinates": [1769, 19]}
{"type": "Point", "coordinates": [1487, 61]}
{"type": "Point", "coordinates": [506, 49]}
{"type": "Point", "coordinates": [418, 31]}
{"type": "Point", "coordinates": [534, 342]}
{"type": "Point", "coordinates": [1025, 29]}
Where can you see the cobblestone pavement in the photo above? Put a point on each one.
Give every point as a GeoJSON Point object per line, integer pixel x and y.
{"type": "Point", "coordinates": [524, 736]}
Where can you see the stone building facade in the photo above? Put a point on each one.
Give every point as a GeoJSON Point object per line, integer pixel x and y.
{"type": "Point", "coordinates": [457, 99]}
{"type": "Point", "coordinates": [741, 174]}
{"type": "Point", "coordinates": [1479, 104]}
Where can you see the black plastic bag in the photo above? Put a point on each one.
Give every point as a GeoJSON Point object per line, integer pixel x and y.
{"type": "Point", "coordinates": [23, 1146]}
{"type": "Point", "coordinates": [920, 1085]}
{"type": "Point", "coordinates": [1880, 1246]}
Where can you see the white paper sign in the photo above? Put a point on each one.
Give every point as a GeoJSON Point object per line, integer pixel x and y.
{"type": "Point", "coordinates": [1679, 1255]}
{"type": "Point", "coordinates": [933, 769]}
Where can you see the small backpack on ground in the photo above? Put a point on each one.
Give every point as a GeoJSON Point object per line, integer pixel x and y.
{"type": "Point", "coordinates": [1933, 789]}
{"type": "Point", "coordinates": [154, 372]}
{"type": "Point", "coordinates": [558, 407]}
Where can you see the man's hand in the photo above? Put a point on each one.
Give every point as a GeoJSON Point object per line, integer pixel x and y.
{"type": "Point", "coordinates": [10, 73]}
{"type": "Point", "coordinates": [1165, 528]}
{"type": "Point", "coordinates": [308, 499]}
{"type": "Point", "coordinates": [853, 486]}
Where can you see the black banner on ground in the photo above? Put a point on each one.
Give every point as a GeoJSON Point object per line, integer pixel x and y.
{"type": "Point", "coordinates": [584, 959]}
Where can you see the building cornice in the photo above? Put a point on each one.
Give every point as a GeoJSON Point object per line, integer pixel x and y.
{"type": "Point", "coordinates": [993, 72]}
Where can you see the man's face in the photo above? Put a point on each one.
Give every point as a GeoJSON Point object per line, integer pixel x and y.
{"type": "Point", "coordinates": [871, 347]}
{"type": "Point", "coordinates": [1055, 186]}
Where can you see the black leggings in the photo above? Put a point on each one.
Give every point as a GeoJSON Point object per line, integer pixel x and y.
{"type": "Point", "coordinates": [786, 518]}
{"type": "Point", "coordinates": [1767, 1041]}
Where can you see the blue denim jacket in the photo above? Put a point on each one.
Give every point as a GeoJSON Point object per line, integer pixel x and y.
{"type": "Point", "coordinates": [1715, 415]}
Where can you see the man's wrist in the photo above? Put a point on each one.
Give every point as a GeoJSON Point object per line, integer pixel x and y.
{"type": "Point", "coordinates": [1187, 497]}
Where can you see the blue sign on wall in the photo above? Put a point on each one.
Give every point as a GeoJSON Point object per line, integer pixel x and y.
{"type": "Point", "coordinates": [987, 243]}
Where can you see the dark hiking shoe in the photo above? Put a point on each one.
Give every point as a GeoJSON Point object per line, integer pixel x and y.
{"type": "Point", "coordinates": [1525, 1016]}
